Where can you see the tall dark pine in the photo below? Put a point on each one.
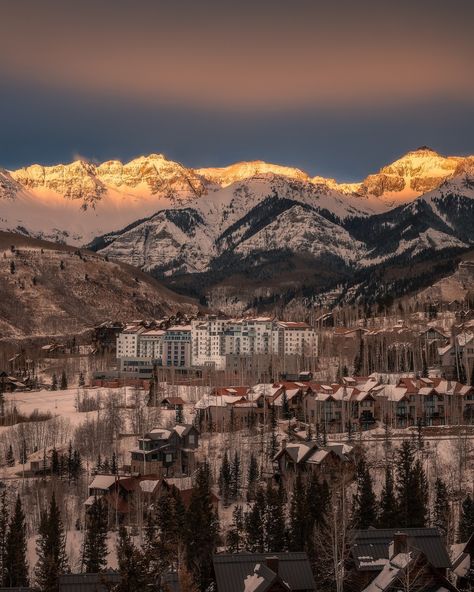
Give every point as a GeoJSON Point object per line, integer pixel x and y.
{"type": "Point", "coordinates": [202, 529]}
{"type": "Point", "coordinates": [252, 478]}
{"type": "Point", "coordinates": [131, 564]}
{"type": "Point", "coordinates": [273, 448]}
{"type": "Point", "coordinates": [52, 559]}
{"type": "Point", "coordinates": [298, 516]}
{"type": "Point", "coordinates": [94, 556]}
{"type": "Point", "coordinates": [235, 535]}
{"type": "Point", "coordinates": [16, 566]}
{"type": "Point", "coordinates": [63, 380]}
{"type": "Point", "coordinates": [388, 517]}
{"type": "Point", "coordinates": [255, 524]}
{"type": "Point", "coordinates": [275, 522]}
{"type": "Point", "coordinates": [225, 477]}
{"type": "Point", "coordinates": [441, 507]}
{"type": "Point", "coordinates": [364, 513]}
{"type": "Point", "coordinates": [235, 477]}
{"type": "Point", "coordinates": [466, 519]}
{"type": "Point", "coordinates": [54, 383]}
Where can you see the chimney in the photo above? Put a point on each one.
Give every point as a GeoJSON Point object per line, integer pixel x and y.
{"type": "Point", "coordinates": [272, 563]}
{"type": "Point", "coordinates": [400, 543]}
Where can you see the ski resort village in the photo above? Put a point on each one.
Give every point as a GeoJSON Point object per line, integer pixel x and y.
{"type": "Point", "coordinates": [203, 451]}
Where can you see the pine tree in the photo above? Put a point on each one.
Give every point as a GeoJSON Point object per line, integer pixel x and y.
{"type": "Point", "coordinates": [131, 565]}
{"type": "Point", "coordinates": [412, 492]}
{"type": "Point", "coordinates": [275, 523]}
{"type": "Point", "coordinates": [298, 516]}
{"type": "Point", "coordinates": [63, 380]}
{"type": "Point", "coordinates": [23, 452]}
{"type": "Point", "coordinates": [364, 512]}
{"type": "Point", "coordinates": [16, 567]}
{"type": "Point", "coordinates": [202, 529]}
{"type": "Point", "coordinates": [55, 468]}
{"type": "Point", "coordinates": [252, 477]}
{"type": "Point", "coordinates": [255, 524]}
{"type": "Point", "coordinates": [466, 519]}
{"type": "Point", "coordinates": [285, 407]}
{"type": "Point", "coordinates": [388, 503]}
{"type": "Point", "coordinates": [225, 477]}
{"type": "Point", "coordinates": [12, 267]}
{"type": "Point", "coordinates": [52, 559]}
{"type": "Point", "coordinates": [3, 538]}
{"type": "Point", "coordinates": [94, 556]}
{"type": "Point", "coordinates": [235, 535]}
{"type": "Point", "coordinates": [82, 380]}
{"type": "Point", "coordinates": [419, 506]}
{"type": "Point", "coordinates": [54, 383]}
{"type": "Point", "coordinates": [441, 507]}
{"type": "Point", "coordinates": [114, 465]}
{"type": "Point", "coordinates": [9, 457]}
{"type": "Point", "coordinates": [179, 414]}
{"type": "Point", "coordinates": [404, 483]}
{"type": "Point", "coordinates": [235, 478]}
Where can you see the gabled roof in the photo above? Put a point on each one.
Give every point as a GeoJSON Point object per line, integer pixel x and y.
{"type": "Point", "coordinates": [251, 572]}
{"type": "Point", "coordinates": [374, 544]}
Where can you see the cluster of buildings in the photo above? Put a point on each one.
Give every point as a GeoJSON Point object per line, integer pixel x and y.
{"type": "Point", "coordinates": [212, 342]}
{"type": "Point", "coordinates": [356, 402]}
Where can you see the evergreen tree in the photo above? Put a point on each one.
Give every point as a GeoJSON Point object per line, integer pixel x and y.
{"type": "Point", "coordinates": [235, 478]}
{"type": "Point", "coordinates": [179, 414]}
{"type": "Point", "coordinates": [23, 452]}
{"type": "Point", "coordinates": [252, 477]}
{"type": "Point", "coordinates": [388, 503]}
{"type": "Point", "coordinates": [225, 477]}
{"type": "Point", "coordinates": [52, 559]}
{"type": "Point", "coordinates": [309, 433]}
{"type": "Point", "coordinates": [419, 507]}
{"type": "Point", "coordinates": [275, 524]}
{"type": "Point", "coordinates": [411, 489]}
{"type": "Point", "coordinates": [255, 524]}
{"type": "Point", "coordinates": [131, 565]}
{"type": "Point", "coordinates": [441, 507]}
{"type": "Point", "coordinates": [12, 267]}
{"type": "Point", "coordinates": [114, 465]}
{"type": "Point", "coordinates": [16, 567]}
{"type": "Point", "coordinates": [298, 516]}
{"type": "Point", "coordinates": [94, 556]}
{"type": "Point", "coordinates": [202, 529]}
{"type": "Point", "coordinates": [63, 380]}
{"type": "Point", "coordinates": [364, 512]}
{"type": "Point", "coordinates": [82, 380]}
{"type": "Point", "coordinates": [54, 383]}
{"type": "Point", "coordinates": [3, 537]}
{"type": "Point", "coordinates": [235, 535]}
{"type": "Point", "coordinates": [285, 407]}
{"type": "Point", "coordinates": [10, 459]}
{"type": "Point", "coordinates": [55, 466]}
{"type": "Point", "coordinates": [466, 519]}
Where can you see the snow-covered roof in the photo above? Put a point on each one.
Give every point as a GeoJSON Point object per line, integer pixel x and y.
{"type": "Point", "coordinates": [103, 482]}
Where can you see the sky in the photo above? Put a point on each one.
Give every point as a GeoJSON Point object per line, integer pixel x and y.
{"type": "Point", "coordinates": [337, 88]}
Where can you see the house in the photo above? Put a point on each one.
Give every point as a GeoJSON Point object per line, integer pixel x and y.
{"type": "Point", "coordinates": [259, 572]}
{"type": "Point", "coordinates": [10, 384]}
{"type": "Point", "coordinates": [462, 557]}
{"type": "Point", "coordinates": [172, 403]}
{"type": "Point", "coordinates": [166, 452]}
{"type": "Point", "coordinates": [380, 558]}
{"type": "Point", "coordinates": [88, 582]}
{"type": "Point", "coordinates": [327, 462]}
{"type": "Point", "coordinates": [227, 408]}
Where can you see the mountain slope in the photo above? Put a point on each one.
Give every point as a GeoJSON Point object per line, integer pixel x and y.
{"type": "Point", "coordinates": [51, 289]}
{"type": "Point", "coordinates": [207, 229]}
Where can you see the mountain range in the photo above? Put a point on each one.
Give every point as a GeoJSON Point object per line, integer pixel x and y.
{"type": "Point", "coordinates": [255, 230]}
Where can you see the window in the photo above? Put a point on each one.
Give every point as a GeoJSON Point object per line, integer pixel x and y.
{"type": "Point", "coordinates": [169, 458]}
{"type": "Point", "coordinates": [191, 439]}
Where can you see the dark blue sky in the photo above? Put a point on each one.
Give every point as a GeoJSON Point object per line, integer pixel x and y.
{"type": "Point", "coordinates": [337, 91]}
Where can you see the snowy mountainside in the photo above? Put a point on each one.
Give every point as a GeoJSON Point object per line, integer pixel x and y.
{"type": "Point", "coordinates": [51, 289]}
